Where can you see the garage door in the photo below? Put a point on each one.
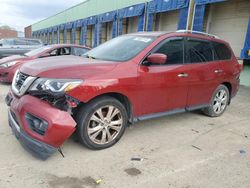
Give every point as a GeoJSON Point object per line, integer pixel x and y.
{"type": "Point", "coordinates": [229, 20]}
{"type": "Point", "coordinates": [61, 37]}
{"type": "Point", "coordinates": [78, 35]}
{"type": "Point", "coordinates": [68, 36]}
{"type": "Point", "coordinates": [167, 21]}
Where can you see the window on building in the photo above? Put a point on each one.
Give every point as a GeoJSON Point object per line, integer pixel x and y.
{"type": "Point", "coordinates": [198, 51]}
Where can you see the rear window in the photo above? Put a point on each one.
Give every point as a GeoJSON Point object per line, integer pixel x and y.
{"type": "Point", "coordinates": [221, 51]}
{"type": "Point", "coordinates": [199, 51]}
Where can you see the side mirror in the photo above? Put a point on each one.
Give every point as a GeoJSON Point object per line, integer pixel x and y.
{"type": "Point", "coordinates": [157, 58]}
{"type": "Point", "coordinates": [44, 55]}
{"type": "Point", "coordinates": [1, 44]}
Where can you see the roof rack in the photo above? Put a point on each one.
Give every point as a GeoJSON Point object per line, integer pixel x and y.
{"type": "Point", "coordinates": [197, 32]}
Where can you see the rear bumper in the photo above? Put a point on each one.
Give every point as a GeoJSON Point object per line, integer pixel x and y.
{"type": "Point", "coordinates": [60, 124]}
{"type": "Point", "coordinates": [35, 147]}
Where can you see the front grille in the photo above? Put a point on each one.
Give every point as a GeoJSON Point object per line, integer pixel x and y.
{"type": "Point", "coordinates": [21, 82]}
{"type": "Point", "coordinates": [20, 79]}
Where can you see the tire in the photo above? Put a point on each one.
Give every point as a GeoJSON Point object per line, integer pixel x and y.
{"type": "Point", "coordinates": [96, 128]}
{"type": "Point", "coordinates": [218, 103]}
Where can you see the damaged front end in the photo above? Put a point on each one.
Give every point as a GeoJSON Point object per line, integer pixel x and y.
{"type": "Point", "coordinates": [40, 112]}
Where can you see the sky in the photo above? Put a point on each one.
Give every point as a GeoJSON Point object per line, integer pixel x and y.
{"type": "Point", "coordinates": [22, 13]}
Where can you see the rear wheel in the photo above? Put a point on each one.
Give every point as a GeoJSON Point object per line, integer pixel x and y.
{"type": "Point", "coordinates": [101, 123]}
{"type": "Point", "coordinates": [219, 102]}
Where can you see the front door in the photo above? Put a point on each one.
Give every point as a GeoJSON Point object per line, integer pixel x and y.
{"type": "Point", "coordinates": [164, 87]}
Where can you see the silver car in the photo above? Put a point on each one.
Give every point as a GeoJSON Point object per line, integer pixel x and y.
{"type": "Point", "coordinates": [18, 46]}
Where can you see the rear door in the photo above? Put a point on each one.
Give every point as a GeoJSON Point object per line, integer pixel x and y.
{"type": "Point", "coordinates": [205, 74]}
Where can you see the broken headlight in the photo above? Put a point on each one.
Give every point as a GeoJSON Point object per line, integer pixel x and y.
{"type": "Point", "coordinates": [57, 86]}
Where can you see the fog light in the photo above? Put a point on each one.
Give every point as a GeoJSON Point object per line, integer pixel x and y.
{"type": "Point", "coordinates": [36, 124]}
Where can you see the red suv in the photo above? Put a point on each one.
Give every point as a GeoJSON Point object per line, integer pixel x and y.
{"type": "Point", "coordinates": [127, 79]}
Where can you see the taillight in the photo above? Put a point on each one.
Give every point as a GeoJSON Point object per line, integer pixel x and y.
{"type": "Point", "coordinates": [240, 67]}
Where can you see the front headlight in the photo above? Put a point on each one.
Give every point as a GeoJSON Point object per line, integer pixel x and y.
{"type": "Point", "coordinates": [54, 85]}
{"type": "Point", "coordinates": [9, 64]}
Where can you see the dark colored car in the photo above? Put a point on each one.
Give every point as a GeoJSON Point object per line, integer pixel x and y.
{"type": "Point", "coordinates": [9, 65]}
{"type": "Point", "coordinates": [127, 79]}
{"type": "Point", "coordinates": [20, 46]}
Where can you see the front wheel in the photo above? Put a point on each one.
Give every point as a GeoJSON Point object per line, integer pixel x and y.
{"type": "Point", "coordinates": [219, 102]}
{"type": "Point", "coordinates": [101, 123]}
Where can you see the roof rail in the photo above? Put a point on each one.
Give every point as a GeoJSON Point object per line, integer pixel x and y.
{"type": "Point", "coordinates": [197, 32]}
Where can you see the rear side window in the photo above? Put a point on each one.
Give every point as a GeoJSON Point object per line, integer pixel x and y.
{"type": "Point", "coordinates": [221, 51]}
{"type": "Point", "coordinates": [173, 48]}
{"type": "Point", "coordinates": [19, 42]}
{"type": "Point", "coordinates": [33, 42]}
{"type": "Point", "coordinates": [7, 42]}
{"type": "Point", "coordinates": [198, 51]}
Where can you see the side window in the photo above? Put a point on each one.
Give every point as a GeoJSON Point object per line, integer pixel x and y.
{"type": "Point", "coordinates": [33, 42]}
{"type": "Point", "coordinates": [198, 51]}
{"type": "Point", "coordinates": [65, 51]}
{"type": "Point", "coordinates": [173, 48]}
{"type": "Point", "coordinates": [78, 51]}
{"type": "Point", "coordinates": [7, 42]}
{"type": "Point", "coordinates": [19, 42]}
{"type": "Point", "coordinates": [54, 52]}
{"type": "Point", "coordinates": [222, 52]}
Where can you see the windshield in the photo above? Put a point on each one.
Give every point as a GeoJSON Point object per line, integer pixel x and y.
{"type": "Point", "coordinates": [121, 48]}
{"type": "Point", "coordinates": [37, 51]}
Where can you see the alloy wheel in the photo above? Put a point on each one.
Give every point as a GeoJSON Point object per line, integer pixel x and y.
{"type": "Point", "coordinates": [220, 101]}
{"type": "Point", "coordinates": [105, 124]}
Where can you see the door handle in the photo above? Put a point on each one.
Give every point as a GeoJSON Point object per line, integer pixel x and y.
{"type": "Point", "coordinates": [182, 75]}
{"type": "Point", "coordinates": [218, 71]}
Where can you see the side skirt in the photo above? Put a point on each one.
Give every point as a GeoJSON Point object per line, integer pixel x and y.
{"type": "Point", "coordinates": [167, 113]}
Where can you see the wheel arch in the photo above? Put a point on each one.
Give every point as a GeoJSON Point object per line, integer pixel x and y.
{"type": "Point", "coordinates": [229, 87]}
{"type": "Point", "coordinates": [123, 99]}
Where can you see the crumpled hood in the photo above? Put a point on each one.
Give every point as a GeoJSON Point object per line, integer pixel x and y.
{"type": "Point", "coordinates": [74, 67]}
{"type": "Point", "coordinates": [12, 58]}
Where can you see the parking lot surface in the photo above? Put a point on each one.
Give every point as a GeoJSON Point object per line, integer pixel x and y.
{"type": "Point", "coordinates": [183, 150]}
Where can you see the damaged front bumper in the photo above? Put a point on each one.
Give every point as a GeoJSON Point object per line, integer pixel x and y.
{"type": "Point", "coordinates": [59, 124]}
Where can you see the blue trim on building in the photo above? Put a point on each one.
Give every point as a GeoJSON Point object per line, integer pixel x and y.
{"type": "Point", "coordinates": [83, 32]}
{"type": "Point", "coordinates": [245, 51]}
{"type": "Point", "coordinates": [132, 11]}
{"type": "Point", "coordinates": [182, 23]}
{"type": "Point", "coordinates": [203, 2]}
{"type": "Point", "coordinates": [198, 21]}
{"type": "Point", "coordinates": [104, 18]}
{"type": "Point", "coordinates": [158, 6]}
